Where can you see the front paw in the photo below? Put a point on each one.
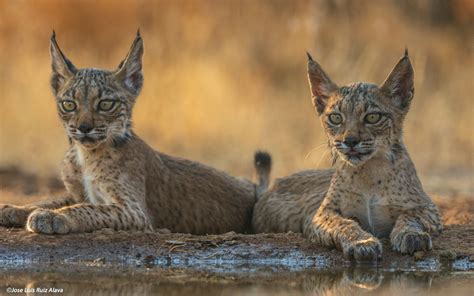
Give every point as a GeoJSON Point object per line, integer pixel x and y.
{"type": "Point", "coordinates": [409, 242]}
{"type": "Point", "coordinates": [13, 216]}
{"type": "Point", "coordinates": [47, 221]}
{"type": "Point", "coordinates": [364, 250]}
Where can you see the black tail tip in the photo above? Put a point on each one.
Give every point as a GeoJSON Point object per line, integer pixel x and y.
{"type": "Point", "coordinates": [262, 159]}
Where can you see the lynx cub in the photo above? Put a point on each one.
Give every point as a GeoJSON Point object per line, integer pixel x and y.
{"type": "Point", "coordinates": [374, 190]}
{"type": "Point", "coordinates": [114, 179]}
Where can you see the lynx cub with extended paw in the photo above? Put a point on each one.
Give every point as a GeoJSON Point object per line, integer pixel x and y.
{"type": "Point", "coordinates": [114, 179]}
{"type": "Point", "coordinates": [374, 190]}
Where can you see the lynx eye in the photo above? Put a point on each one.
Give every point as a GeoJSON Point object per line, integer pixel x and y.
{"type": "Point", "coordinates": [372, 118]}
{"type": "Point", "coordinates": [106, 105]}
{"type": "Point", "coordinates": [335, 118]}
{"type": "Point", "coordinates": [68, 105]}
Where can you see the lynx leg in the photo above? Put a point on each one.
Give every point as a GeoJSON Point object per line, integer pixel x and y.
{"type": "Point", "coordinates": [16, 216]}
{"type": "Point", "coordinates": [331, 229]}
{"type": "Point", "coordinates": [411, 231]}
{"type": "Point", "coordinates": [87, 218]}
{"type": "Point", "coordinates": [13, 216]}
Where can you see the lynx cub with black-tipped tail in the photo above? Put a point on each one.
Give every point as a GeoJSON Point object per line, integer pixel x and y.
{"type": "Point", "coordinates": [374, 190]}
{"type": "Point", "coordinates": [113, 178]}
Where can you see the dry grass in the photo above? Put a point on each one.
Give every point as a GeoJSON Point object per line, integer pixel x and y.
{"type": "Point", "coordinates": [225, 78]}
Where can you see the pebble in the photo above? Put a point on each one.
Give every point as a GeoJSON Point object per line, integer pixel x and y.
{"type": "Point", "coordinates": [418, 255]}
{"type": "Point", "coordinates": [100, 260]}
{"type": "Point", "coordinates": [449, 255]}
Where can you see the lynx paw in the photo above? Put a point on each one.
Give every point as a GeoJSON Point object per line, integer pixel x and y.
{"type": "Point", "coordinates": [364, 250]}
{"type": "Point", "coordinates": [47, 221]}
{"type": "Point", "coordinates": [409, 242]}
{"type": "Point", "coordinates": [12, 216]}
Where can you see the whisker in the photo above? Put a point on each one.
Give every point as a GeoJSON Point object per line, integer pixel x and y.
{"type": "Point", "coordinates": [313, 150]}
{"type": "Point", "coordinates": [321, 158]}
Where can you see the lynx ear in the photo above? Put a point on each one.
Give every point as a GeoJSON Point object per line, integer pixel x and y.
{"type": "Point", "coordinates": [320, 84]}
{"type": "Point", "coordinates": [399, 85]}
{"type": "Point", "coordinates": [63, 69]}
{"type": "Point", "coordinates": [129, 72]}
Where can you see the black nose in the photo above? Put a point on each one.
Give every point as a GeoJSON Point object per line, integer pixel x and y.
{"type": "Point", "coordinates": [84, 128]}
{"type": "Point", "coordinates": [351, 141]}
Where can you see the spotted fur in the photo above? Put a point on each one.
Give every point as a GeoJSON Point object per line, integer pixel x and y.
{"type": "Point", "coordinates": [373, 190]}
{"type": "Point", "coordinates": [113, 178]}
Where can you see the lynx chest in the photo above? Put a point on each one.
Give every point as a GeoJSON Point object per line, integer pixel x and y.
{"type": "Point", "coordinates": [373, 212]}
{"type": "Point", "coordinates": [90, 180]}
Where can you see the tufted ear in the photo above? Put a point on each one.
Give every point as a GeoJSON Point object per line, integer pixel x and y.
{"type": "Point", "coordinates": [320, 84]}
{"type": "Point", "coordinates": [63, 69]}
{"type": "Point", "coordinates": [399, 84]}
{"type": "Point", "coordinates": [129, 72]}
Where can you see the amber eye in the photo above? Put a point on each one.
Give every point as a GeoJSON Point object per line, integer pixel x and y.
{"type": "Point", "coordinates": [106, 105]}
{"type": "Point", "coordinates": [372, 118]}
{"type": "Point", "coordinates": [335, 118]}
{"type": "Point", "coordinates": [68, 105]}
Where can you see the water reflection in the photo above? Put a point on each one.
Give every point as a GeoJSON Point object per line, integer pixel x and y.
{"type": "Point", "coordinates": [355, 281]}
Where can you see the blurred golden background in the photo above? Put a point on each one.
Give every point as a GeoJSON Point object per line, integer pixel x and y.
{"type": "Point", "coordinates": [224, 78]}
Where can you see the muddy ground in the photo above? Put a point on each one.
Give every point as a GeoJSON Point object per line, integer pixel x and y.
{"type": "Point", "coordinates": [227, 253]}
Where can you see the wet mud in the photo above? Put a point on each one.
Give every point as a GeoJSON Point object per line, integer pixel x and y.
{"type": "Point", "coordinates": [227, 253]}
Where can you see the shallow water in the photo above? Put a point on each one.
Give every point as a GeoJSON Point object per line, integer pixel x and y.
{"type": "Point", "coordinates": [122, 263]}
{"type": "Point", "coordinates": [112, 280]}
